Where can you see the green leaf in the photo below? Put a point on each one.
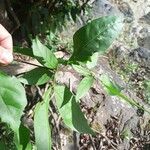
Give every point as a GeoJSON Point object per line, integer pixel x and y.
{"type": "Point", "coordinates": [93, 61]}
{"type": "Point", "coordinates": [24, 51]}
{"type": "Point", "coordinates": [84, 87]}
{"type": "Point", "coordinates": [3, 145]}
{"type": "Point", "coordinates": [96, 36]}
{"type": "Point", "coordinates": [24, 135]}
{"type": "Point", "coordinates": [83, 71]}
{"type": "Point", "coordinates": [44, 55]}
{"type": "Point", "coordinates": [70, 110]}
{"type": "Point", "coordinates": [114, 89]}
{"type": "Point", "coordinates": [12, 101]}
{"type": "Point", "coordinates": [37, 76]}
{"type": "Point", "coordinates": [41, 124]}
{"type": "Point", "coordinates": [29, 146]}
{"type": "Point", "coordinates": [111, 87]}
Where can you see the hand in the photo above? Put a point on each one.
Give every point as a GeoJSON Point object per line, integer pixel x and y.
{"type": "Point", "coordinates": [6, 46]}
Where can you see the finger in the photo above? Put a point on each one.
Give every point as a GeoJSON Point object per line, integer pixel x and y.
{"type": "Point", "coordinates": [5, 39]}
{"type": "Point", "coordinates": [6, 56]}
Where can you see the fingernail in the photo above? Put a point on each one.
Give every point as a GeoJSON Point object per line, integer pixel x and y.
{"type": "Point", "coordinates": [6, 57]}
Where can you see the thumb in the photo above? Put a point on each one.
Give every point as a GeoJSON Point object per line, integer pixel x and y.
{"type": "Point", "coordinates": [6, 56]}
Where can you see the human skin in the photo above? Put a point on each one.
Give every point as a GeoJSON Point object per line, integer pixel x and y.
{"type": "Point", "coordinates": [6, 46]}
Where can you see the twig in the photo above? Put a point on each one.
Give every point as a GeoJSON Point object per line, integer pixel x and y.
{"type": "Point", "coordinates": [46, 87]}
{"type": "Point", "coordinates": [27, 63]}
{"type": "Point", "coordinates": [56, 126]}
{"type": "Point", "coordinates": [92, 142]}
{"type": "Point", "coordinates": [75, 140]}
{"type": "Point", "coordinates": [56, 122]}
{"type": "Point", "coordinates": [39, 91]}
{"type": "Point", "coordinates": [52, 71]}
{"type": "Point", "coordinates": [113, 145]}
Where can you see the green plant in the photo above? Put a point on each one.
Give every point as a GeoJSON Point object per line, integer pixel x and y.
{"type": "Point", "coordinates": [93, 38]}
{"type": "Point", "coordinates": [41, 17]}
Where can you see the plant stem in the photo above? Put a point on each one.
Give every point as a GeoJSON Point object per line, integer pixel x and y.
{"type": "Point", "coordinates": [132, 102]}
{"type": "Point", "coordinates": [28, 63]}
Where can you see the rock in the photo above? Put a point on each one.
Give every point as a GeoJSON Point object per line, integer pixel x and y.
{"type": "Point", "coordinates": [145, 18]}
{"type": "Point", "coordinates": [144, 42]}
{"type": "Point", "coordinates": [103, 8]}
{"type": "Point", "coordinates": [125, 8]}
{"type": "Point", "coordinates": [142, 56]}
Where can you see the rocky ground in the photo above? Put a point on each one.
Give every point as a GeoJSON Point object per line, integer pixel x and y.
{"type": "Point", "coordinates": [118, 125]}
